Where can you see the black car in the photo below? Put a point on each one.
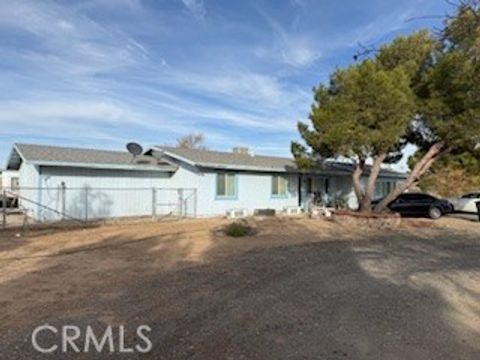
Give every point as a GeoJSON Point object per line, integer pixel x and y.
{"type": "Point", "coordinates": [419, 204]}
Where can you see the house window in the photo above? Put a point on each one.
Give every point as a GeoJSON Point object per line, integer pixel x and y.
{"type": "Point", "coordinates": [309, 185]}
{"type": "Point", "coordinates": [327, 186]}
{"type": "Point", "coordinates": [279, 186]}
{"type": "Point", "coordinates": [383, 188]}
{"type": "Point", "coordinates": [14, 183]}
{"type": "Point", "coordinates": [226, 186]}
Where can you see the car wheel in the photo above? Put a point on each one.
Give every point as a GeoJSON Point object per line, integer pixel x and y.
{"type": "Point", "coordinates": [435, 213]}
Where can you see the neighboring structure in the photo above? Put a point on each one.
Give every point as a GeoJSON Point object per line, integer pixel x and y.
{"type": "Point", "coordinates": [9, 180]}
{"type": "Point", "coordinates": [86, 183]}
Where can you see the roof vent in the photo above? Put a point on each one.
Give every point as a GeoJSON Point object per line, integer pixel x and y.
{"type": "Point", "coordinates": [242, 150]}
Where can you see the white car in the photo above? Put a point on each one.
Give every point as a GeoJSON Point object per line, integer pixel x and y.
{"type": "Point", "coordinates": [466, 203]}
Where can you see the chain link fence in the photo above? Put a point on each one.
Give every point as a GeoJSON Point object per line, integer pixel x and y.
{"type": "Point", "coordinates": [91, 204]}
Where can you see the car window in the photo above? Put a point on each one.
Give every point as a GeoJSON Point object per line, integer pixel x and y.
{"type": "Point", "coordinates": [405, 198]}
{"type": "Point", "coordinates": [402, 198]}
{"type": "Point", "coordinates": [415, 198]}
{"type": "Point", "coordinates": [471, 196]}
{"type": "Point", "coordinates": [425, 198]}
{"type": "Point", "coordinates": [412, 197]}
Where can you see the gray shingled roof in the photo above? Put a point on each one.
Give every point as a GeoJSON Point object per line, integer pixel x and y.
{"type": "Point", "coordinates": [67, 156]}
{"type": "Point", "coordinates": [55, 155]}
{"type": "Point", "coordinates": [221, 159]}
{"type": "Point", "coordinates": [231, 160]}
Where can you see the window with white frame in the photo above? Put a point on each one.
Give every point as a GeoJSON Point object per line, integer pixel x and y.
{"type": "Point", "coordinates": [226, 186]}
{"type": "Point", "coordinates": [14, 183]}
{"type": "Point", "coordinates": [279, 185]}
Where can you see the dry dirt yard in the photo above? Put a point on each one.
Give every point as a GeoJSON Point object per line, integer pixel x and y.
{"type": "Point", "coordinates": [297, 289]}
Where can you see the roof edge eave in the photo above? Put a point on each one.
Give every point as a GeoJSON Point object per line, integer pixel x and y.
{"type": "Point", "coordinates": [133, 167]}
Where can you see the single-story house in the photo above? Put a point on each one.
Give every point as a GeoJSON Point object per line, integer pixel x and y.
{"type": "Point", "coordinates": [87, 183]}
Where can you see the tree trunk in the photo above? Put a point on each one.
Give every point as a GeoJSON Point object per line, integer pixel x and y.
{"type": "Point", "coordinates": [366, 204]}
{"type": "Point", "coordinates": [356, 176]}
{"type": "Point", "coordinates": [435, 151]}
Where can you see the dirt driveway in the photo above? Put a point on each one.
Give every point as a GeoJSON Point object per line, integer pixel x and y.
{"type": "Point", "coordinates": [298, 289]}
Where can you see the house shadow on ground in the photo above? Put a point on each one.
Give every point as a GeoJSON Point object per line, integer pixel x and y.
{"type": "Point", "coordinates": [388, 296]}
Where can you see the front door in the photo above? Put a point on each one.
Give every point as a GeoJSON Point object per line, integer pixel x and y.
{"type": "Point", "coordinates": [317, 188]}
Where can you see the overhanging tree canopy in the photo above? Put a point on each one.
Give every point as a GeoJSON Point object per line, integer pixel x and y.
{"type": "Point", "coordinates": [365, 111]}
{"type": "Point", "coordinates": [417, 90]}
{"type": "Point", "coordinates": [449, 97]}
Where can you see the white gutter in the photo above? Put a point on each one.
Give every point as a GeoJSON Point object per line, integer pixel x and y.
{"type": "Point", "coordinates": [243, 167]}
{"type": "Point", "coordinates": [167, 168]}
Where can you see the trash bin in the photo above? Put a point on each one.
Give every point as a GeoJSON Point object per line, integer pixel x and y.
{"type": "Point", "coordinates": [478, 209]}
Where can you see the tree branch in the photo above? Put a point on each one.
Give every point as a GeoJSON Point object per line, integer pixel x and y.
{"type": "Point", "coordinates": [364, 51]}
{"type": "Point", "coordinates": [372, 181]}
{"type": "Point", "coordinates": [436, 150]}
{"type": "Point", "coordinates": [356, 176]}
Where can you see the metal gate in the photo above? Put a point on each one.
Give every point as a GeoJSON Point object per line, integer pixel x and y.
{"type": "Point", "coordinates": [180, 202]}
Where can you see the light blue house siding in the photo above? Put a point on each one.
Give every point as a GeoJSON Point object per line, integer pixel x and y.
{"type": "Point", "coordinates": [338, 189]}
{"type": "Point", "coordinates": [117, 193]}
{"type": "Point", "coordinates": [253, 190]}
{"type": "Point", "coordinates": [169, 183]}
{"type": "Point", "coordinates": [52, 191]}
{"type": "Point", "coordinates": [99, 193]}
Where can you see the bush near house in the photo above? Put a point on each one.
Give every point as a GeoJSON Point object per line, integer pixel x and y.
{"type": "Point", "coordinates": [238, 229]}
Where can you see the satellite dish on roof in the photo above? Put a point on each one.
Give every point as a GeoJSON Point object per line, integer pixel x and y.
{"type": "Point", "coordinates": [134, 149]}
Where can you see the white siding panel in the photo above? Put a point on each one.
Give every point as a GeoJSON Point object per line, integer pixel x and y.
{"type": "Point", "coordinates": [110, 193]}
{"type": "Point", "coordinates": [253, 192]}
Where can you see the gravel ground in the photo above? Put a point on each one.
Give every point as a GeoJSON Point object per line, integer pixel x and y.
{"type": "Point", "coordinates": [297, 289]}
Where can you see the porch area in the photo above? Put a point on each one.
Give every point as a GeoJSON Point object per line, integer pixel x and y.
{"type": "Point", "coordinates": [336, 191]}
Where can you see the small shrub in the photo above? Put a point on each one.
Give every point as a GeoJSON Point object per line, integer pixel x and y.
{"type": "Point", "coordinates": [238, 229]}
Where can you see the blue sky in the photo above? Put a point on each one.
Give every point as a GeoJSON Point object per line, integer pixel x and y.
{"type": "Point", "coordinates": [100, 73]}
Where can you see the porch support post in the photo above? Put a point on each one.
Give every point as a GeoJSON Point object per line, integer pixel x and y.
{"type": "Point", "coordinates": [63, 192]}
{"type": "Point", "coordinates": [86, 204]}
{"type": "Point", "coordinates": [300, 178]}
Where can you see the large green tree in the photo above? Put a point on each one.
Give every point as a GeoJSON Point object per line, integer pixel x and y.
{"type": "Point", "coordinates": [365, 111]}
{"type": "Point", "coordinates": [448, 120]}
